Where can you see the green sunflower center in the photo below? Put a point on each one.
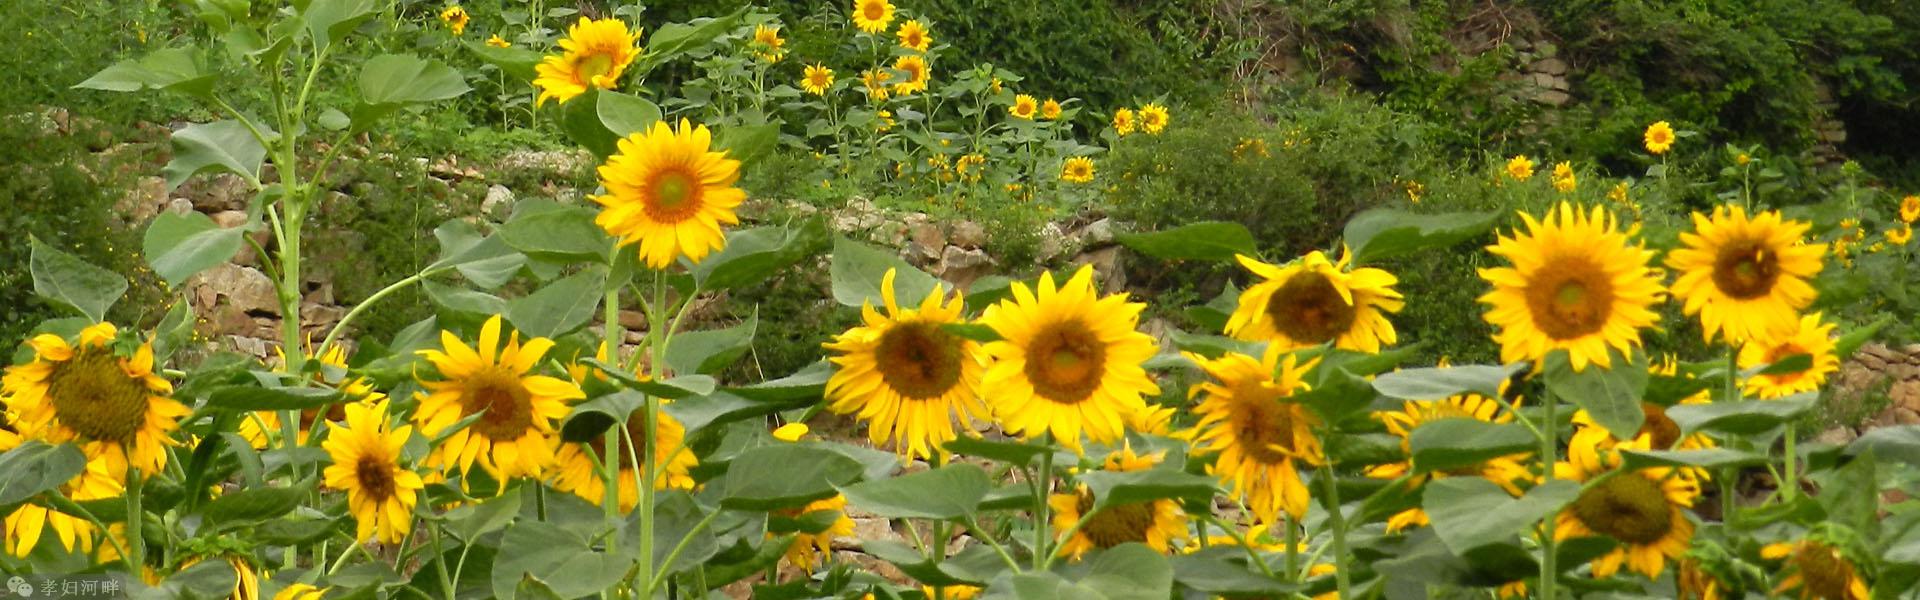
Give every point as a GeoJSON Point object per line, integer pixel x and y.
{"type": "Point", "coordinates": [1661, 428]}
{"type": "Point", "coordinates": [1116, 525]}
{"type": "Point", "coordinates": [673, 195]}
{"type": "Point", "coordinates": [95, 398]}
{"type": "Point", "coordinates": [1824, 574]}
{"type": "Point", "coordinates": [1065, 362]}
{"type": "Point", "coordinates": [592, 66]}
{"type": "Point", "coordinates": [505, 405]}
{"type": "Point", "coordinates": [919, 360]}
{"type": "Point", "coordinates": [1746, 269]}
{"type": "Point", "coordinates": [1570, 298]}
{"type": "Point", "coordinates": [1307, 308]}
{"type": "Point", "coordinates": [376, 477]}
{"type": "Point", "coordinates": [1627, 507]}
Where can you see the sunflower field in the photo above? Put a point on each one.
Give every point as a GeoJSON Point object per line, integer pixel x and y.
{"type": "Point", "coordinates": [588, 403]}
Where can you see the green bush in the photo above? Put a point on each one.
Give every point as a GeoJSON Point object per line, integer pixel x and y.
{"type": "Point", "coordinates": [380, 232]}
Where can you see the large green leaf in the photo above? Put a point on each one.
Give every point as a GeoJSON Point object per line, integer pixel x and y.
{"type": "Point", "coordinates": [1223, 571]}
{"type": "Point", "coordinates": [707, 352]}
{"type": "Point", "coordinates": [1457, 442]}
{"type": "Point", "coordinates": [556, 558]}
{"type": "Point", "coordinates": [1129, 571]}
{"type": "Point", "coordinates": [329, 21]}
{"type": "Point", "coordinates": [486, 261]}
{"type": "Point", "coordinates": [753, 255]}
{"type": "Point", "coordinates": [1900, 443]}
{"type": "Point", "coordinates": [807, 383]}
{"type": "Point", "coordinates": [677, 517]}
{"type": "Point", "coordinates": [1210, 240]}
{"type": "Point", "coordinates": [546, 229]}
{"type": "Point", "coordinates": [1116, 488]}
{"type": "Point", "coordinates": [34, 467]}
{"type": "Point", "coordinates": [179, 246]}
{"type": "Point", "coordinates": [461, 300]}
{"type": "Point", "coordinates": [857, 270]}
{"type": "Point", "coordinates": [1385, 233]}
{"type": "Point", "coordinates": [470, 521]}
{"type": "Point", "coordinates": [784, 476]}
{"type": "Point", "coordinates": [579, 118]}
{"type": "Point", "coordinates": [217, 146]}
{"type": "Point", "coordinates": [1470, 512]}
{"type": "Point", "coordinates": [390, 82]}
{"type": "Point", "coordinates": [624, 115]}
{"type": "Point", "coordinates": [171, 69]}
{"type": "Point", "coordinates": [719, 408]}
{"type": "Point", "coordinates": [1443, 382]}
{"type": "Point", "coordinates": [949, 492]}
{"type": "Point", "coordinates": [1611, 396]}
{"type": "Point", "coordinates": [1011, 452]}
{"type": "Point", "coordinates": [65, 281]}
{"type": "Point", "coordinates": [559, 307]}
{"type": "Point", "coordinates": [748, 143]}
{"type": "Point", "coordinates": [519, 63]}
{"type": "Point", "coordinates": [254, 505]}
{"type": "Point", "coordinates": [672, 39]}
{"type": "Point", "coordinates": [1706, 458]}
{"type": "Point", "coordinates": [252, 398]}
{"type": "Point", "coordinates": [1742, 418]}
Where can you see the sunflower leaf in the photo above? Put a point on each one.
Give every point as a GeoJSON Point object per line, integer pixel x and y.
{"type": "Point", "coordinates": [35, 467]}
{"type": "Point", "coordinates": [1115, 488]}
{"type": "Point", "coordinates": [709, 351]}
{"type": "Point", "coordinates": [179, 246]}
{"type": "Point", "coordinates": [949, 492]}
{"type": "Point", "coordinates": [1742, 418]}
{"type": "Point", "coordinates": [1470, 512]}
{"type": "Point", "coordinates": [217, 146]}
{"type": "Point", "coordinates": [857, 270]}
{"type": "Point", "coordinates": [63, 280]}
{"type": "Point", "coordinates": [251, 398]}
{"type": "Point", "coordinates": [1706, 458]}
{"type": "Point", "coordinates": [1210, 240]}
{"type": "Point", "coordinates": [559, 307]}
{"type": "Point", "coordinates": [171, 69]}
{"type": "Point", "coordinates": [784, 476]}
{"type": "Point", "coordinates": [1385, 233]}
{"type": "Point", "coordinates": [624, 114]}
{"type": "Point", "coordinates": [1457, 442]}
{"type": "Point", "coordinates": [753, 255]}
{"type": "Point", "coordinates": [1443, 382]}
{"type": "Point", "coordinates": [1612, 396]}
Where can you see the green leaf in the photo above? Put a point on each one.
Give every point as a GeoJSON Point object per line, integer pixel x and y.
{"type": "Point", "coordinates": [470, 521]}
{"type": "Point", "coordinates": [1129, 571]}
{"type": "Point", "coordinates": [205, 579]}
{"type": "Point", "coordinates": [580, 119]}
{"type": "Point", "coordinates": [217, 146]}
{"type": "Point", "coordinates": [1011, 452]}
{"type": "Point", "coordinates": [170, 69]}
{"type": "Point", "coordinates": [624, 115]}
{"type": "Point", "coordinates": [1610, 395]}
{"type": "Point", "coordinates": [1742, 418]}
{"type": "Point", "coordinates": [488, 262]}
{"type": "Point", "coordinates": [1385, 233]}
{"type": "Point", "coordinates": [34, 467]}
{"type": "Point", "coordinates": [559, 307]}
{"type": "Point", "coordinates": [1851, 342]}
{"type": "Point", "coordinates": [63, 280]}
{"type": "Point", "coordinates": [1116, 488]}
{"type": "Point", "coordinates": [1857, 508]}
{"type": "Point", "coordinates": [294, 531]}
{"type": "Point", "coordinates": [1224, 573]}
{"type": "Point", "coordinates": [1706, 458]}
{"type": "Point", "coordinates": [784, 476]}
{"type": "Point", "coordinates": [1444, 382]}
{"type": "Point", "coordinates": [1899, 443]}
{"type": "Point", "coordinates": [676, 518]}
{"type": "Point", "coordinates": [518, 63]}
{"type": "Point", "coordinates": [763, 557]}
{"type": "Point", "coordinates": [1210, 240]}
{"type": "Point", "coordinates": [753, 255]}
{"type": "Point", "coordinates": [748, 143]}
{"type": "Point", "coordinates": [949, 492]}
{"type": "Point", "coordinates": [546, 229]}
{"type": "Point", "coordinates": [462, 300]}
{"type": "Point", "coordinates": [698, 413]}
{"type": "Point", "coordinates": [917, 565]}
{"type": "Point", "coordinates": [973, 331]}
{"type": "Point", "coordinates": [672, 39]}
{"type": "Point", "coordinates": [1793, 363]}
{"type": "Point", "coordinates": [1470, 512]}
{"type": "Point", "coordinates": [390, 82]}
{"type": "Point", "coordinates": [1337, 393]}
{"type": "Point", "coordinates": [1457, 442]}
{"type": "Point", "coordinates": [554, 557]}
{"type": "Point", "coordinates": [254, 505]}
{"type": "Point", "coordinates": [252, 398]}
{"type": "Point", "coordinates": [708, 352]}
{"type": "Point", "coordinates": [329, 21]}
{"type": "Point", "coordinates": [179, 246]}
{"type": "Point", "coordinates": [806, 384]}
{"type": "Point", "coordinates": [1214, 346]}
{"type": "Point", "coordinates": [857, 270]}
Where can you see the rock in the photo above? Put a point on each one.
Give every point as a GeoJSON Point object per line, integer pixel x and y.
{"type": "Point", "coordinates": [968, 234]}
{"type": "Point", "coordinates": [1543, 81]}
{"type": "Point", "coordinates": [1053, 242]}
{"type": "Point", "coordinates": [542, 165]}
{"type": "Point", "coordinates": [245, 288]}
{"type": "Point", "coordinates": [633, 320]}
{"type": "Point", "coordinates": [1097, 233]}
{"type": "Point", "coordinates": [179, 206]}
{"type": "Point", "coordinates": [147, 197]}
{"type": "Point", "coordinates": [229, 218]}
{"type": "Point", "coordinates": [1905, 394]}
{"type": "Point", "coordinates": [960, 266]}
{"type": "Point", "coordinates": [225, 191]}
{"type": "Point", "coordinates": [1905, 416]}
{"type": "Point", "coordinates": [1550, 66]}
{"type": "Point", "coordinates": [1553, 98]}
{"type": "Point", "coordinates": [859, 215]}
{"type": "Point", "coordinates": [1108, 269]}
{"type": "Point", "coordinates": [868, 529]}
{"type": "Point", "coordinates": [321, 314]}
{"type": "Point", "coordinates": [1838, 436]}
{"type": "Point", "coordinates": [929, 237]}
{"type": "Point", "coordinates": [247, 345]}
{"type": "Point", "coordinates": [498, 198]}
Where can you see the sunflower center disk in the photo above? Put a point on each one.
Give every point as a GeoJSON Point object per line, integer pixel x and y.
{"type": "Point", "coordinates": [1661, 428]}
{"type": "Point", "coordinates": [637, 430]}
{"type": "Point", "coordinates": [1065, 363]}
{"type": "Point", "coordinates": [1746, 270]}
{"type": "Point", "coordinates": [1628, 507]}
{"type": "Point", "coordinates": [94, 397]}
{"type": "Point", "coordinates": [1572, 298]}
{"type": "Point", "coordinates": [1117, 524]}
{"type": "Point", "coordinates": [593, 66]}
{"type": "Point", "coordinates": [376, 477]}
{"type": "Point", "coordinates": [874, 11]}
{"type": "Point", "coordinates": [507, 404]}
{"type": "Point", "coordinates": [919, 360]}
{"type": "Point", "coordinates": [1307, 308]}
{"type": "Point", "coordinates": [1823, 573]}
{"type": "Point", "coordinates": [673, 196]}
{"type": "Point", "coordinates": [1265, 429]}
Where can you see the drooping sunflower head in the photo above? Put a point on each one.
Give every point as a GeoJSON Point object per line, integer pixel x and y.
{"type": "Point", "coordinates": [914, 36]}
{"type": "Point", "coordinates": [1506, 471]}
{"type": "Point", "coordinates": [817, 79]}
{"type": "Point", "coordinates": [872, 16]}
{"type": "Point", "coordinates": [1156, 523]}
{"type": "Point", "coordinates": [1123, 122]}
{"type": "Point", "coordinates": [1078, 169]}
{"type": "Point", "coordinates": [1576, 283]}
{"type": "Point", "coordinates": [1024, 107]}
{"type": "Point", "coordinates": [498, 42]}
{"type": "Point", "coordinates": [807, 547]}
{"type": "Point", "coordinates": [105, 400]}
{"type": "Point", "coordinates": [906, 375]}
{"type": "Point", "coordinates": [767, 43]}
{"type": "Point", "coordinates": [1644, 510]}
{"type": "Point", "coordinates": [513, 434]}
{"type": "Point", "coordinates": [1816, 569]}
{"type": "Point", "coordinates": [594, 55]}
{"type": "Point", "coordinates": [668, 191]}
{"type": "Point", "coordinates": [1154, 118]}
{"type": "Point", "coordinates": [1747, 278]}
{"type": "Point", "coordinates": [366, 465]}
{"type": "Point", "coordinates": [1520, 168]}
{"type": "Point", "coordinates": [915, 67]}
{"type": "Point", "coordinates": [1659, 137]}
{"type": "Point", "coordinates": [578, 472]}
{"type": "Point", "coordinates": [1910, 209]}
{"type": "Point", "coordinates": [1068, 361]}
{"type": "Point", "coordinates": [875, 83]}
{"type": "Point", "coordinates": [456, 19]}
{"type": "Point", "coordinates": [1243, 416]}
{"type": "Point", "coordinates": [1813, 338]}
{"type": "Point", "coordinates": [1316, 301]}
{"type": "Point", "coordinates": [1563, 178]}
{"type": "Point", "coordinates": [1050, 109]}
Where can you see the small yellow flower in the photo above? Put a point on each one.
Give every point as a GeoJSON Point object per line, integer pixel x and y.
{"type": "Point", "coordinates": [1123, 122]}
{"type": "Point", "coordinates": [1619, 193]}
{"type": "Point", "coordinates": [1910, 209]}
{"type": "Point", "coordinates": [875, 82]}
{"type": "Point", "coordinates": [1742, 159]}
{"type": "Point", "coordinates": [496, 41]}
{"type": "Point", "coordinates": [1659, 137]}
{"type": "Point", "coordinates": [1563, 178]}
{"type": "Point", "coordinates": [1900, 237]}
{"type": "Point", "coordinates": [768, 45]}
{"type": "Point", "coordinates": [996, 86]}
{"type": "Point", "coordinates": [914, 36]}
{"type": "Point", "coordinates": [872, 16]}
{"type": "Point", "coordinates": [456, 19]}
{"type": "Point", "coordinates": [1520, 167]}
{"type": "Point", "coordinates": [1024, 107]}
{"type": "Point", "coordinates": [886, 121]}
{"type": "Point", "coordinates": [818, 78]}
{"type": "Point", "coordinates": [1078, 169]}
{"type": "Point", "coordinates": [1050, 109]}
{"type": "Point", "coordinates": [1415, 191]}
{"type": "Point", "coordinates": [1153, 118]}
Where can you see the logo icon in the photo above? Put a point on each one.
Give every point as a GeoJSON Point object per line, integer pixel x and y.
{"type": "Point", "coordinates": [19, 585]}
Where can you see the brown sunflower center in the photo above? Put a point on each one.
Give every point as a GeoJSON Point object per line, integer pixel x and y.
{"type": "Point", "coordinates": [591, 66]}
{"type": "Point", "coordinates": [1627, 507]}
{"type": "Point", "coordinates": [1307, 308]}
{"type": "Point", "coordinates": [1780, 353]}
{"type": "Point", "coordinates": [873, 11]}
{"type": "Point", "coordinates": [95, 398]}
{"type": "Point", "coordinates": [1658, 426]}
{"type": "Point", "coordinates": [1065, 362]}
{"type": "Point", "coordinates": [1746, 269]}
{"type": "Point", "coordinates": [376, 477]}
{"type": "Point", "coordinates": [919, 360]}
{"type": "Point", "coordinates": [673, 195]}
{"type": "Point", "coordinates": [1824, 574]}
{"type": "Point", "coordinates": [637, 430]}
{"type": "Point", "coordinates": [1569, 298]}
{"type": "Point", "coordinates": [1264, 427]}
{"type": "Point", "coordinates": [1116, 525]}
{"type": "Point", "coordinates": [507, 405]}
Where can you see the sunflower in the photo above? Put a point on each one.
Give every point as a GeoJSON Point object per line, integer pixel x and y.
{"type": "Point", "coordinates": [498, 42]}
{"type": "Point", "coordinates": [1695, 582]}
{"type": "Point", "coordinates": [1910, 209]}
{"type": "Point", "coordinates": [97, 481]}
{"type": "Point", "coordinates": [84, 392]}
{"type": "Point", "coordinates": [1816, 569]}
{"type": "Point", "coordinates": [1812, 338]}
{"type": "Point", "coordinates": [951, 592]}
{"type": "Point", "coordinates": [1156, 523]}
{"type": "Point", "coordinates": [261, 428]}
{"type": "Point", "coordinates": [595, 54]}
{"type": "Point", "coordinates": [807, 547]}
{"type": "Point", "coordinates": [1659, 137]}
{"type": "Point", "coordinates": [512, 436]}
{"type": "Point", "coordinates": [1315, 301]}
{"type": "Point", "coordinates": [1563, 178]}
{"type": "Point", "coordinates": [914, 36]}
{"type": "Point", "coordinates": [1644, 510]}
{"type": "Point", "coordinates": [1504, 471]}
{"type": "Point", "coordinates": [875, 82]}
{"type": "Point", "coordinates": [971, 166]}
{"type": "Point", "coordinates": [667, 191]}
{"type": "Point", "coordinates": [579, 472]}
{"type": "Point", "coordinates": [1154, 118]}
{"type": "Point", "coordinates": [818, 78]}
{"type": "Point", "coordinates": [915, 66]}
{"type": "Point", "coordinates": [1258, 435]}
{"type": "Point", "coordinates": [456, 19]}
{"type": "Point", "coordinates": [1068, 361]}
{"type": "Point", "coordinates": [366, 465]}
{"type": "Point", "coordinates": [1576, 283]}
{"type": "Point", "coordinates": [1024, 107]}
{"type": "Point", "coordinates": [1520, 167]}
{"type": "Point", "coordinates": [1746, 277]}
{"type": "Point", "coordinates": [768, 45]}
{"type": "Point", "coordinates": [1050, 109]}
{"type": "Point", "coordinates": [1123, 122]}
{"type": "Point", "coordinates": [1078, 169]}
{"type": "Point", "coordinates": [300, 591]}
{"type": "Point", "coordinates": [907, 376]}
{"type": "Point", "coordinates": [872, 16]}
{"type": "Point", "coordinates": [1901, 235]}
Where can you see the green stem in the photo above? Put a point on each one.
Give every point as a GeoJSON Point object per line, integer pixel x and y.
{"type": "Point", "coordinates": [1293, 546]}
{"type": "Point", "coordinates": [1244, 542]}
{"type": "Point", "coordinates": [1337, 521]}
{"type": "Point", "coordinates": [1729, 476]}
{"type": "Point", "coordinates": [645, 466]}
{"type": "Point", "coordinates": [440, 564]}
{"type": "Point", "coordinates": [340, 327]}
{"type": "Point", "coordinates": [1549, 454]}
{"type": "Point", "coordinates": [666, 566]}
{"type": "Point", "coordinates": [1041, 556]}
{"type": "Point", "coordinates": [1790, 484]}
{"type": "Point", "coordinates": [342, 561]}
{"type": "Point", "coordinates": [136, 549]}
{"type": "Point", "coordinates": [986, 538]}
{"type": "Point", "coordinates": [1071, 531]}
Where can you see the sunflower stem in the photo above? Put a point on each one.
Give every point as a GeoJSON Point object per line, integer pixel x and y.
{"type": "Point", "coordinates": [1072, 531]}
{"type": "Point", "coordinates": [644, 465]}
{"type": "Point", "coordinates": [1549, 454]}
{"type": "Point", "coordinates": [983, 536]}
{"type": "Point", "coordinates": [1790, 484]}
{"type": "Point", "coordinates": [1044, 481]}
{"type": "Point", "coordinates": [1336, 521]}
{"type": "Point", "coordinates": [1293, 547]}
{"type": "Point", "coordinates": [1729, 476]}
{"type": "Point", "coordinates": [136, 541]}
